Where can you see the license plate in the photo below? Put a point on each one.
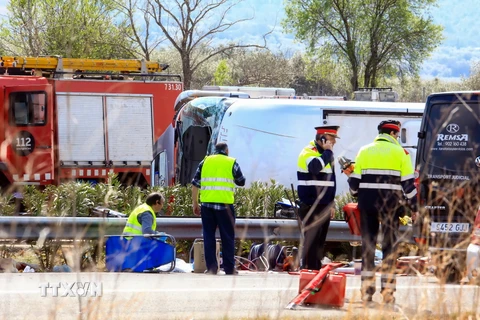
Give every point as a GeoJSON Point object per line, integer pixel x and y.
{"type": "Point", "coordinates": [449, 227]}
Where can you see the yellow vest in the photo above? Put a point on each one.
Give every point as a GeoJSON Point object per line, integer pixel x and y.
{"type": "Point", "coordinates": [217, 184]}
{"type": "Point", "coordinates": [307, 154]}
{"type": "Point", "coordinates": [312, 185]}
{"type": "Point", "coordinates": [133, 227]}
{"type": "Point", "coordinates": [382, 158]}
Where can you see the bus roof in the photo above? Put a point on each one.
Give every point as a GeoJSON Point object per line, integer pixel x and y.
{"type": "Point", "coordinates": [352, 106]}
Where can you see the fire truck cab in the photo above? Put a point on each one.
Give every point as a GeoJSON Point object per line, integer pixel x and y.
{"type": "Point", "coordinates": [59, 123]}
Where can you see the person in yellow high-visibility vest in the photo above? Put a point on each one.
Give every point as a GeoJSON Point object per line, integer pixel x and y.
{"type": "Point", "coordinates": [142, 220]}
{"type": "Point", "coordinates": [316, 191]}
{"type": "Point", "coordinates": [215, 178]}
{"type": "Point", "coordinates": [383, 177]}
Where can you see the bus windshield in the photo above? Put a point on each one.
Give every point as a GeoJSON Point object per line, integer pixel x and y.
{"type": "Point", "coordinates": [203, 112]}
{"type": "Point", "coordinates": [197, 128]}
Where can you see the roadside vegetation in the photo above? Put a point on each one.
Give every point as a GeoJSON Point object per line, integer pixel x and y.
{"type": "Point", "coordinates": [79, 199]}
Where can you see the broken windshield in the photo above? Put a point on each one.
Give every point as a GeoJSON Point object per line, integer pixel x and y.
{"type": "Point", "coordinates": [204, 112]}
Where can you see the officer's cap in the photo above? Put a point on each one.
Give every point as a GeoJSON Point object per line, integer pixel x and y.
{"type": "Point", "coordinates": [330, 130]}
{"type": "Point", "coordinates": [389, 124]}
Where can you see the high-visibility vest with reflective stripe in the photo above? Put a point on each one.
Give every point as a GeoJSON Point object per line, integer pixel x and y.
{"type": "Point", "coordinates": [382, 167]}
{"type": "Point", "coordinates": [312, 185]}
{"type": "Point", "coordinates": [217, 183]}
{"type": "Point", "coordinates": [133, 227]}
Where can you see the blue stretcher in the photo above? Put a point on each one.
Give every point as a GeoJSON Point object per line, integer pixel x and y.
{"type": "Point", "coordinates": [142, 253]}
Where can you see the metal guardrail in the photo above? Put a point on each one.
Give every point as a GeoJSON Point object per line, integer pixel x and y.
{"type": "Point", "coordinates": [33, 228]}
{"type": "Point", "coordinates": [188, 228]}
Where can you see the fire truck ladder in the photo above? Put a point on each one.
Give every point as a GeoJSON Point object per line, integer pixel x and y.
{"type": "Point", "coordinates": [59, 65]}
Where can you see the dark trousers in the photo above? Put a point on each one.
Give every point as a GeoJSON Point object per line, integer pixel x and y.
{"type": "Point", "coordinates": [370, 223]}
{"type": "Point", "coordinates": [315, 226]}
{"type": "Point", "coordinates": [225, 221]}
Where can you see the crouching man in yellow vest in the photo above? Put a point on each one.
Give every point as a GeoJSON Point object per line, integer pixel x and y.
{"type": "Point", "coordinates": [142, 220]}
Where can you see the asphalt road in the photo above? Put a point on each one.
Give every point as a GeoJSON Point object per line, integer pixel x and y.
{"type": "Point", "coordinates": [189, 296]}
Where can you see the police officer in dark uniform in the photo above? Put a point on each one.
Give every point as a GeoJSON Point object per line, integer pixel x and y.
{"type": "Point", "coordinates": [316, 191]}
{"type": "Point", "coordinates": [382, 178]}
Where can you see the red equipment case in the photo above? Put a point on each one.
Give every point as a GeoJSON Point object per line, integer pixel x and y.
{"type": "Point", "coordinates": [331, 291]}
{"type": "Point", "coordinates": [352, 217]}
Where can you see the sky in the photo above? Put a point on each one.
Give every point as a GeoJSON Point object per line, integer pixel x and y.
{"type": "Point", "coordinates": [451, 60]}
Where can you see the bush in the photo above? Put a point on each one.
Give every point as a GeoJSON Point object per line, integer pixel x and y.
{"type": "Point", "coordinates": [7, 205]}
{"type": "Point", "coordinates": [79, 198]}
{"type": "Point", "coordinates": [340, 201]}
{"type": "Point", "coordinates": [258, 200]}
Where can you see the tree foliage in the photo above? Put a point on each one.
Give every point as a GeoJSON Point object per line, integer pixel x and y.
{"type": "Point", "coordinates": [261, 67]}
{"type": "Point", "coordinates": [222, 74]}
{"type": "Point", "coordinates": [374, 37]}
{"type": "Point", "coordinates": [191, 26]}
{"type": "Point", "coordinates": [70, 28]}
{"type": "Point", "coordinates": [139, 27]}
{"type": "Point", "coordinates": [325, 77]}
{"type": "Point", "coordinates": [473, 81]}
{"type": "Point", "coordinates": [416, 89]}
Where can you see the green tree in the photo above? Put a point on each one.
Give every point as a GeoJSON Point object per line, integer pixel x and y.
{"type": "Point", "coordinates": [70, 28]}
{"type": "Point", "coordinates": [374, 37]}
{"type": "Point", "coordinates": [472, 82]}
{"type": "Point", "coordinates": [329, 77]}
{"type": "Point", "coordinates": [262, 68]}
{"type": "Point", "coordinates": [204, 74]}
{"type": "Point", "coordinates": [222, 74]}
{"type": "Point", "coordinates": [415, 89]}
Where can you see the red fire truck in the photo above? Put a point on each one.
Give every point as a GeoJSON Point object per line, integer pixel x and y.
{"type": "Point", "coordinates": [82, 119]}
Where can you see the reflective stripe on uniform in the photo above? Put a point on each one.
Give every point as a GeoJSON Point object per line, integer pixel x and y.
{"type": "Point", "coordinates": [356, 176]}
{"type": "Point", "coordinates": [133, 226]}
{"type": "Point", "coordinates": [217, 180]}
{"type": "Point", "coordinates": [412, 194]}
{"type": "Point", "coordinates": [217, 184]}
{"type": "Point", "coordinates": [388, 276]}
{"type": "Point", "coordinates": [217, 188]}
{"type": "Point", "coordinates": [394, 173]}
{"type": "Point", "coordinates": [309, 159]}
{"type": "Point", "coordinates": [386, 186]}
{"type": "Point", "coordinates": [368, 273]}
{"type": "Point", "coordinates": [324, 170]}
{"type": "Point", "coordinates": [316, 183]}
{"type": "Point", "coordinates": [388, 285]}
